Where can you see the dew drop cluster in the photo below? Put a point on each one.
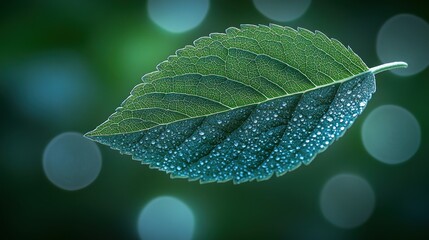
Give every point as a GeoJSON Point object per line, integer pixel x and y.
{"type": "Point", "coordinates": [252, 142]}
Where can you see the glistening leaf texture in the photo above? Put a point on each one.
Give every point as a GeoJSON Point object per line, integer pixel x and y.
{"type": "Point", "coordinates": [241, 105]}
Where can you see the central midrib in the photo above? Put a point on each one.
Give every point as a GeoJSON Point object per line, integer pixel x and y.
{"type": "Point", "coordinates": [246, 105]}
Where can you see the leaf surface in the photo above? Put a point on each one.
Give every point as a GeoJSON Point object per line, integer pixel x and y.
{"type": "Point", "coordinates": [241, 105]}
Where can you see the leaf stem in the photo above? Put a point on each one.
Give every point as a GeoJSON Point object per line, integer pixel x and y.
{"type": "Point", "coordinates": [388, 66]}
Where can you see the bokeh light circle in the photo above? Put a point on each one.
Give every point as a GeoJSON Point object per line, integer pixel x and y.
{"type": "Point", "coordinates": [71, 161]}
{"type": "Point", "coordinates": [178, 16]}
{"type": "Point", "coordinates": [404, 37]}
{"type": "Point", "coordinates": [282, 10]}
{"type": "Point", "coordinates": [347, 200]}
{"type": "Point", "coordinates": [391, 134]}
{"type": "Point", "coordinates": [166, 218]}
{"type": "Point", "coordinates": [55, 86]}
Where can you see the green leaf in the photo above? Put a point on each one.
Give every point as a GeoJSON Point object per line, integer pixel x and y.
{"type": "Point", "coordinates": [242, 105]}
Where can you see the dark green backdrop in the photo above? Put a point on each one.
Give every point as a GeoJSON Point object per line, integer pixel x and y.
{"type": "Point", "coordinates": [118, 44]}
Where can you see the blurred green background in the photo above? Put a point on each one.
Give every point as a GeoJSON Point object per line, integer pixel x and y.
{"type": "Point", "coordinates": [105, 47]}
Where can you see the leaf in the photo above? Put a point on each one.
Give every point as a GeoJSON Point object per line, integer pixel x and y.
{"type": "Point", "coordinates": [242, 105]}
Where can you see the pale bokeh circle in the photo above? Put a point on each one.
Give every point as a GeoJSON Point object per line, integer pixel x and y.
{"type": "Point", "coordinates": [347, 200]}
{"type": "Point", "coordinates": [71, 162]}
{"type": "Point", "coordinates": [404, 37]}
{"type": "Point", "coordinates": [166, 218]}
{"type": "Point", "coordinates": [282, 10]}
{"type": "Point", "coordinates": [177, 16]}
{"type": "Point", "coordinates": [54, 86]}
{"type": "Point", "coordinates": [391, 134]}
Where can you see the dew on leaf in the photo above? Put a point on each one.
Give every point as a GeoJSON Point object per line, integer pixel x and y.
{"type": "Point", "coordinates": [243, 105]}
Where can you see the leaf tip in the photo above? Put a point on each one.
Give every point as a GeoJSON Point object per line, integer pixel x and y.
{"type": "Point", "coordinates": [90, 135]}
